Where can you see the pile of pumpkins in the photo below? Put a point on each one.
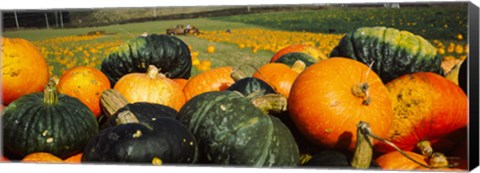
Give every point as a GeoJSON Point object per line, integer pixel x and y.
{"type": "Point", "coordinates": [300, 109]}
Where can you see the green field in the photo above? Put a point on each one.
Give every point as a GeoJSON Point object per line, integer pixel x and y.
{"type": "Point", "coordinates": [65, 48]}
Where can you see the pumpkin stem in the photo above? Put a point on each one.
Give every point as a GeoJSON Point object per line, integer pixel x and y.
{"type": "Point", "coordinates": [50, 94]}
{"type": "Point", "coordinates": [438, 160]}
{"type": "Point", "coordinates": [361, 90]}
{"type": "Point", "coordinates": [111, 101]}
{"type": "Point", "coordinates": [425, 147]}
{"type": "Point", "coordinates": [369, 133]}
{"type": "Point", "coordinates": [298, 66]}
{"type": "Point", "coordinates": [364, 150]}
{"type": "Point", "coordinates": [152, 71]}
{"type": "Point", "coordinates": [271, 103]}
{"type": "Point", "coordinates": [126, 117]}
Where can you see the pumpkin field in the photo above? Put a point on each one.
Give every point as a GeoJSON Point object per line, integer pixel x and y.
{"type": "Point", "coordinates": [311, 88]}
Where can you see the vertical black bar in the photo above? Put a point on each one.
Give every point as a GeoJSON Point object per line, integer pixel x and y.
{"type": "Point", "coordinates": [473, 82]}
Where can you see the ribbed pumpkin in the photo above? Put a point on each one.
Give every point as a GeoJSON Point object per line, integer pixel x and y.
{"type": "Point", "coordinates": [217, 79]}
{"type": "Point", "coordinates": [329, 99]}
{"type": "Point", "coordinates": [426, 107]}
{"type": "Point", "coordinates": [393, 52]}
{"type": "Point", "coordinates": [86, 84]}
{"type": "Point", "coordinates": [47, 122]}
{"type": "Point", "coordinates": [231, 130]}
{"type": "Point", "coordinates": [304, 48]}
{"type": "Point", "coordinates": [280, 76]}
{"type": "Point", "coordinates": [150, 87]}
{"type": "Point", "coordinates": [168, 53]}
{"type": "Point", "coordinates": [24, 69]}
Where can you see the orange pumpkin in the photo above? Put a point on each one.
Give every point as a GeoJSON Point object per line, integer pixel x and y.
{"type": "Point", "coordinates": [396, 161]}
{"type": "Point", "coordinates": [74, 159]}
{"type": "Point", "coordinates": [426, 107]}
{"type": "Point", "coordinates": [280, 76]}
{"type": "Point", "coordinates": [217, 79]}
{"type": "Point", "coordinates": [41, 157]}
{"type": "Point", "coordinates": [24, 69]}
{"type": "Point", "coordinates": [151, 87]}
{"type": "Point", "coordinates": [304, 48]}
{"type": "Point", "coordinates": [329, 99]}
{"type": "Point", "coordinates": [211, 49]}
{"type": "Point", "coordinates": [181, 82]}
{"type": "Point", "coordinates": [86, 84]}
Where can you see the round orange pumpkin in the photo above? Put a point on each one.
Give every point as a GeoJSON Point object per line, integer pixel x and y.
{"type": "Point", "coordinates": [211, 49]}
{"type": "Point", "coordinates": [86, 84]}
{"type": "Point", "coordinates": [280, 76]}
{"type": "Point", "coordinates": [24, 69]}
{"type": "Point", "coordinates": [181, 82]}
{"type": "Point", "coordinates": [329, 99]}
{"type": "Point", "coordinates": [152, 87]}
{"type": "Point", "coordinates": [41, 157]}
{"type": "Point", "coordinates": [426, 107]}
{"type": "Point", "coordinates": [304, 48]}
{"type": "Point", "coordinates": [217, 79]}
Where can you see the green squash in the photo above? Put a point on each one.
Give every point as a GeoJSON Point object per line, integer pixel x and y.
{"type": "Point", "coordinates": [232, 131]}
{"type": "Point", "coordinates": [290, 58]}
{"type": "Point", "coordinates": [144, 111]}
{"type": "Point", "coordinates": [140, 132]}
{"type": "Point", "coordinates": [170, 54]}
{"type": "Point", "coordinates": [160, 140]}
{"type": "Point", "coordinates": [392, 52]}
{"type": "Point", "coordinates": [47, 122]}
{"type": "Point", "coordinates": [250, 85]}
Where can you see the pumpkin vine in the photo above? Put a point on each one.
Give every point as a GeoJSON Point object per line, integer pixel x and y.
{"type": "Point", "coordinates": [437, 160]}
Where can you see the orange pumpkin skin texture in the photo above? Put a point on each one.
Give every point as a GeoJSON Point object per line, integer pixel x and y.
{"type": "Point", "coordinates": [150, 87]}
{"type": "Point", "coordinates": [326, 111]}
{"type": "Point", "coordinates": [279, 76]}
{"type": "Point", "coordinates": [181, 82]}
{"type": "Point", "coordinates": [217, 79]}
{"type": "Point", "coordinates": [86, 84]}
{"type": "Point", "coordinates": [74, 159]}
{"type": "Point", "coordinates": [24, 69]}
{"type": "Point", "coordinates": [41, 157]}
{"type": "Point", "coordinates": [426, 107]}
{"type": "Point", "coordinates": [310, 50]}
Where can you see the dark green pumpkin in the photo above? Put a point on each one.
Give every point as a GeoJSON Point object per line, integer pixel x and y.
{"type": "Point", "coordinates": [144, 111]}
{"type": "Point", "coordinates": [158, 140]}
{"type": "Point", "coordinates": [290, 58]}
{"type": "Point", "coordinates": [230, 130]}
{"type": "Point", "coordinates": [250, 85]}
{"type": "Point", "coordinates": [47, 122]}
{"type": "Point", "coordinates": [168, 53]}
{"type": "Point", "coordinates": [393, 52]}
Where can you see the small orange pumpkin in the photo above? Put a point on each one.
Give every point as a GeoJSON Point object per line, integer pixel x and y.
{"type": "Point", "coordinates": [280, 76]}
{"type": "Point", "coordinates": [329, 99]}
{"type": "Point", "coordinates": [181, 82]}
{"type": "Point", "coordinates": [41, 157]}
{"type": "Point", "coordinates": [152, 87]}
{"type": "Point", "coordinates": [211, 49]}
{"type": "Point", "coordinates": [86, 84]}
{"type": "Point", "coordinates": [217, 79]}
{"type": "Point", "coordinates": [24, 69]}
{"type": "Point", "coordinates": [304, 48]}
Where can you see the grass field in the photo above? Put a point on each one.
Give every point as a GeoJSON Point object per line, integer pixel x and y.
{"type": "Point", "coordinates": [255, 38]}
